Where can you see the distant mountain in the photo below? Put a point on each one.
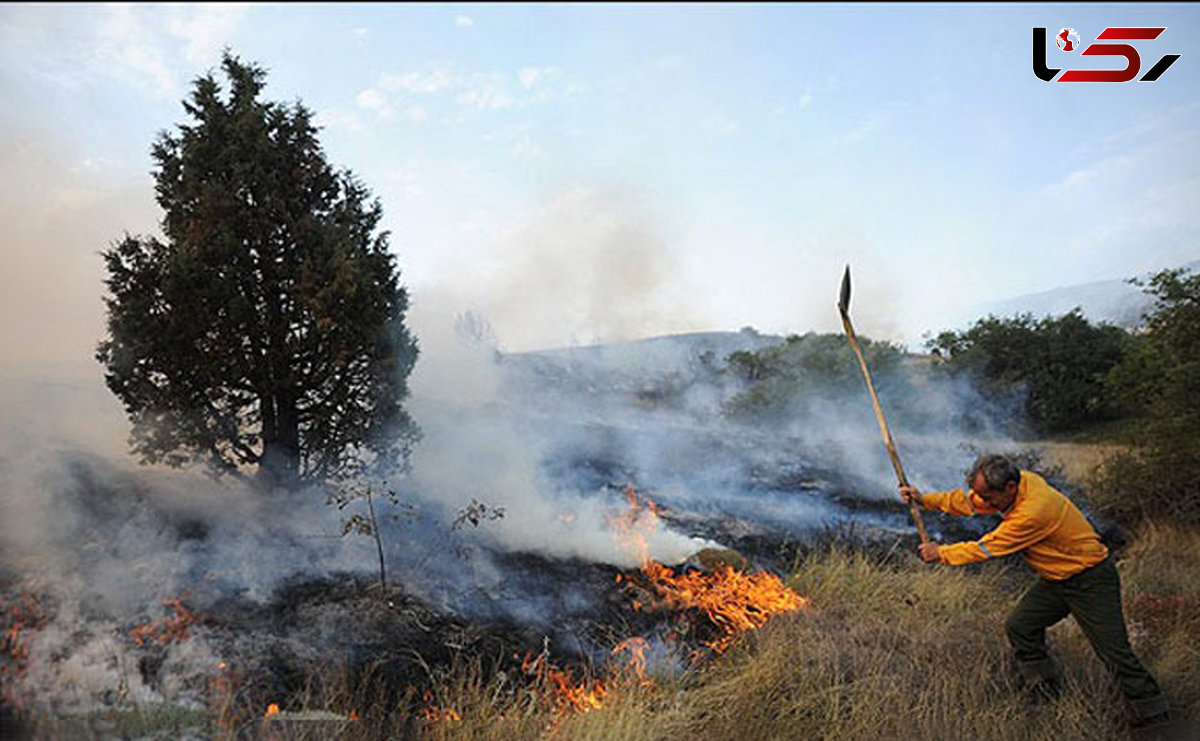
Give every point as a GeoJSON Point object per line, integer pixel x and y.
{"type": "Point", "coordinates": [1113, 301]}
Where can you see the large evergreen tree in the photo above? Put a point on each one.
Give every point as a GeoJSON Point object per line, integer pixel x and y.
{"type": "Point", "coordinates": [267, 327]}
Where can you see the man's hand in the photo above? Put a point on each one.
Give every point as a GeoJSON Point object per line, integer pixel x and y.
{"type": "Point", "coordinates": [929, 552]}
{"type": "Point", "coordinates": [910, 494]}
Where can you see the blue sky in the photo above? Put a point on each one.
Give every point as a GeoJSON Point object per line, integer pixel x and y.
{"type": "Point", "coordinates": [581, 173]}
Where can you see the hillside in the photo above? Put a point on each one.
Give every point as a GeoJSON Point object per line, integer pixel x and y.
{"type": "Point", "coordinates": [1112, 301]}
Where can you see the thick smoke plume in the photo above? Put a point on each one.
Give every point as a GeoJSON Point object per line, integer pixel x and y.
{"type": "Point", "coordinates": [589, 265]}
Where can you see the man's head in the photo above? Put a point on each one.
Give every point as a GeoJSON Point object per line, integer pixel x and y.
{"type": "Point", "coordinates": [996, 479]}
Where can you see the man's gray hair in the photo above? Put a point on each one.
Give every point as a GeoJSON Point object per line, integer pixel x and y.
{"type": "Point", "coordinates": [997, 471]}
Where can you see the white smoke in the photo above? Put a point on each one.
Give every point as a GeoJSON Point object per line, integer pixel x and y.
{"type": "Point", "coordinates": [478, 445]}
{"type": "Point", "coordinates": [589, 265]}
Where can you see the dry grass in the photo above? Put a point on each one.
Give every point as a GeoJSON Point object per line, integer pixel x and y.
{"type": "Point", "coordinates": [1078, 461]}
{"type": "Point", "coordinates": [1162, 597]}
{"type": "Point", "coordinates": [913, 652]}
{"type": "Point", "coordinates": [891, 648]}
{"type": "Point", "coordinates": [918, 652]}
{"type": "Point", "coordinates": [887, 651]}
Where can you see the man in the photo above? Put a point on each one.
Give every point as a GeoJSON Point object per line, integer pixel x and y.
{"type": "Point", "coordinates": [1077, 576]}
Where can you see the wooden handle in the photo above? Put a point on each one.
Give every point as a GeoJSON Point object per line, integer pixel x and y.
{"type": "Point", "coordinates": [883, 427]}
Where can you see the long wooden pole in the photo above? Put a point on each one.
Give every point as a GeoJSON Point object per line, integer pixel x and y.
{"type": "Point", "coordinates": [844, 308]}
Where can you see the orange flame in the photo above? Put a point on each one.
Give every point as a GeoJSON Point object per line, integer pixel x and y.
{"type": "Point", "coordinates": [562, 691]}
{"type": "Point", "coordinates": [167, 630]}
{"type": "Point", "coordinates": [272, 710]}
{"type": "Point", "coordinates": [636, 523]}
{"type": "Point", "coordinates": [20, 621]}
{"type": "Point", "coordinates": [734, 601]}
{"type": "Point", "coordinates": [636, 647]}
{"type": "Point", "coordinates": [431, 713]}
{"type": "Point", "coordinates": [24, 616]}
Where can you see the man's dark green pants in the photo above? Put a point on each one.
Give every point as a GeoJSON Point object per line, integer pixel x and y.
{"type": "Point", "coordinates": [1093, 596]}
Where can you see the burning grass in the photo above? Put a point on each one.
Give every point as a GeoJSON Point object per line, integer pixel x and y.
{"type": "Point", "coordinates": [894, 649]}
{"type": "Point", "coordinates": [878, 646]}
{"type": "Point", "coordinates": [734, 601]}
{"type": "Point", "coordinates": [167, 630]}
{"type": "Point", "coordinates": [891, 649]}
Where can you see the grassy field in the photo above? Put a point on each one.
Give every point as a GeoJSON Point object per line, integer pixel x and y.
{"type": "Point", "coordinates": [892, 648]}
{"type": "Point", "coordinates": [889, 648]}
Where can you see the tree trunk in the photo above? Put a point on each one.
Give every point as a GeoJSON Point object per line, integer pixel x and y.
{"type": "Point", "coordinates": [281, 440]}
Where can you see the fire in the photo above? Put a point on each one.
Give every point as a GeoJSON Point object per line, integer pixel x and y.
{"type": "Point", "coordinates": [734, 601]}
{"type": "Point", "coordinates": [561, 689]}
{"type": "Point", "coordinates": [634, 524]}
{"type": "Point", "coordinates": [167, 630]}
{"type": "Point", "coordinates": [223, 689]}
{"type": "Point", "coordinates": [431, 713]}
{"type": "Point", "coordinates": [636, 647]}
{"type": "Point", "coordinates": [272, 710]}
{"type": "Point", "coordinates": [24, 616]}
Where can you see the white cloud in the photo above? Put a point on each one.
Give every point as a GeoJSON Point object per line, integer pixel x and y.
{"type": "Point", "coordinates": [540, 83]}
{"type": "Point", "coordinates": [486, 93]}
{"type": "Point", "coordinates": [1102, 171]}
{"type": "Point", "coordinates": [479, 91]}
{"type": "Point", "coordinates": [374, 101]}
{"type": "Point", "coordinates": [155, 48]}
{"type": "Point", "coordinates": [332, 118]}
{"type": "Point", "coordinates": [1129, 208]}
{"type": "Point", "coordinates": [371, 99]}
{"type": "Point", "coordinates": [123, 44]}
{"type": "Point", "coordinates": [529, 76]}
{"type": "Point", "coordinates": [205, 28]}
{"type": "Point", "coordinates": [148, 61]}
{"type": "Point", "coordinates": [464, 21]}
{"type": "Point", "coordinates": [359, 31]}
{"type": "Point", "coordinates": [429, 81]}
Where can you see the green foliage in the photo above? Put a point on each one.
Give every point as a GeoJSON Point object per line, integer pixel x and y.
{"type": "Point", "coordinates": [1160, 476]}
{"type": "Point", "coordinates": [267, 327]}
{"type": "Point", "coordinates": [804, 367]}
{"type": "Point", "coordinates": [1058, 363]}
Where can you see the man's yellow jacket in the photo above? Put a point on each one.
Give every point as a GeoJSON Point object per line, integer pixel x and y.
{"type": "Point", "coordinates": [1051, 533]}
